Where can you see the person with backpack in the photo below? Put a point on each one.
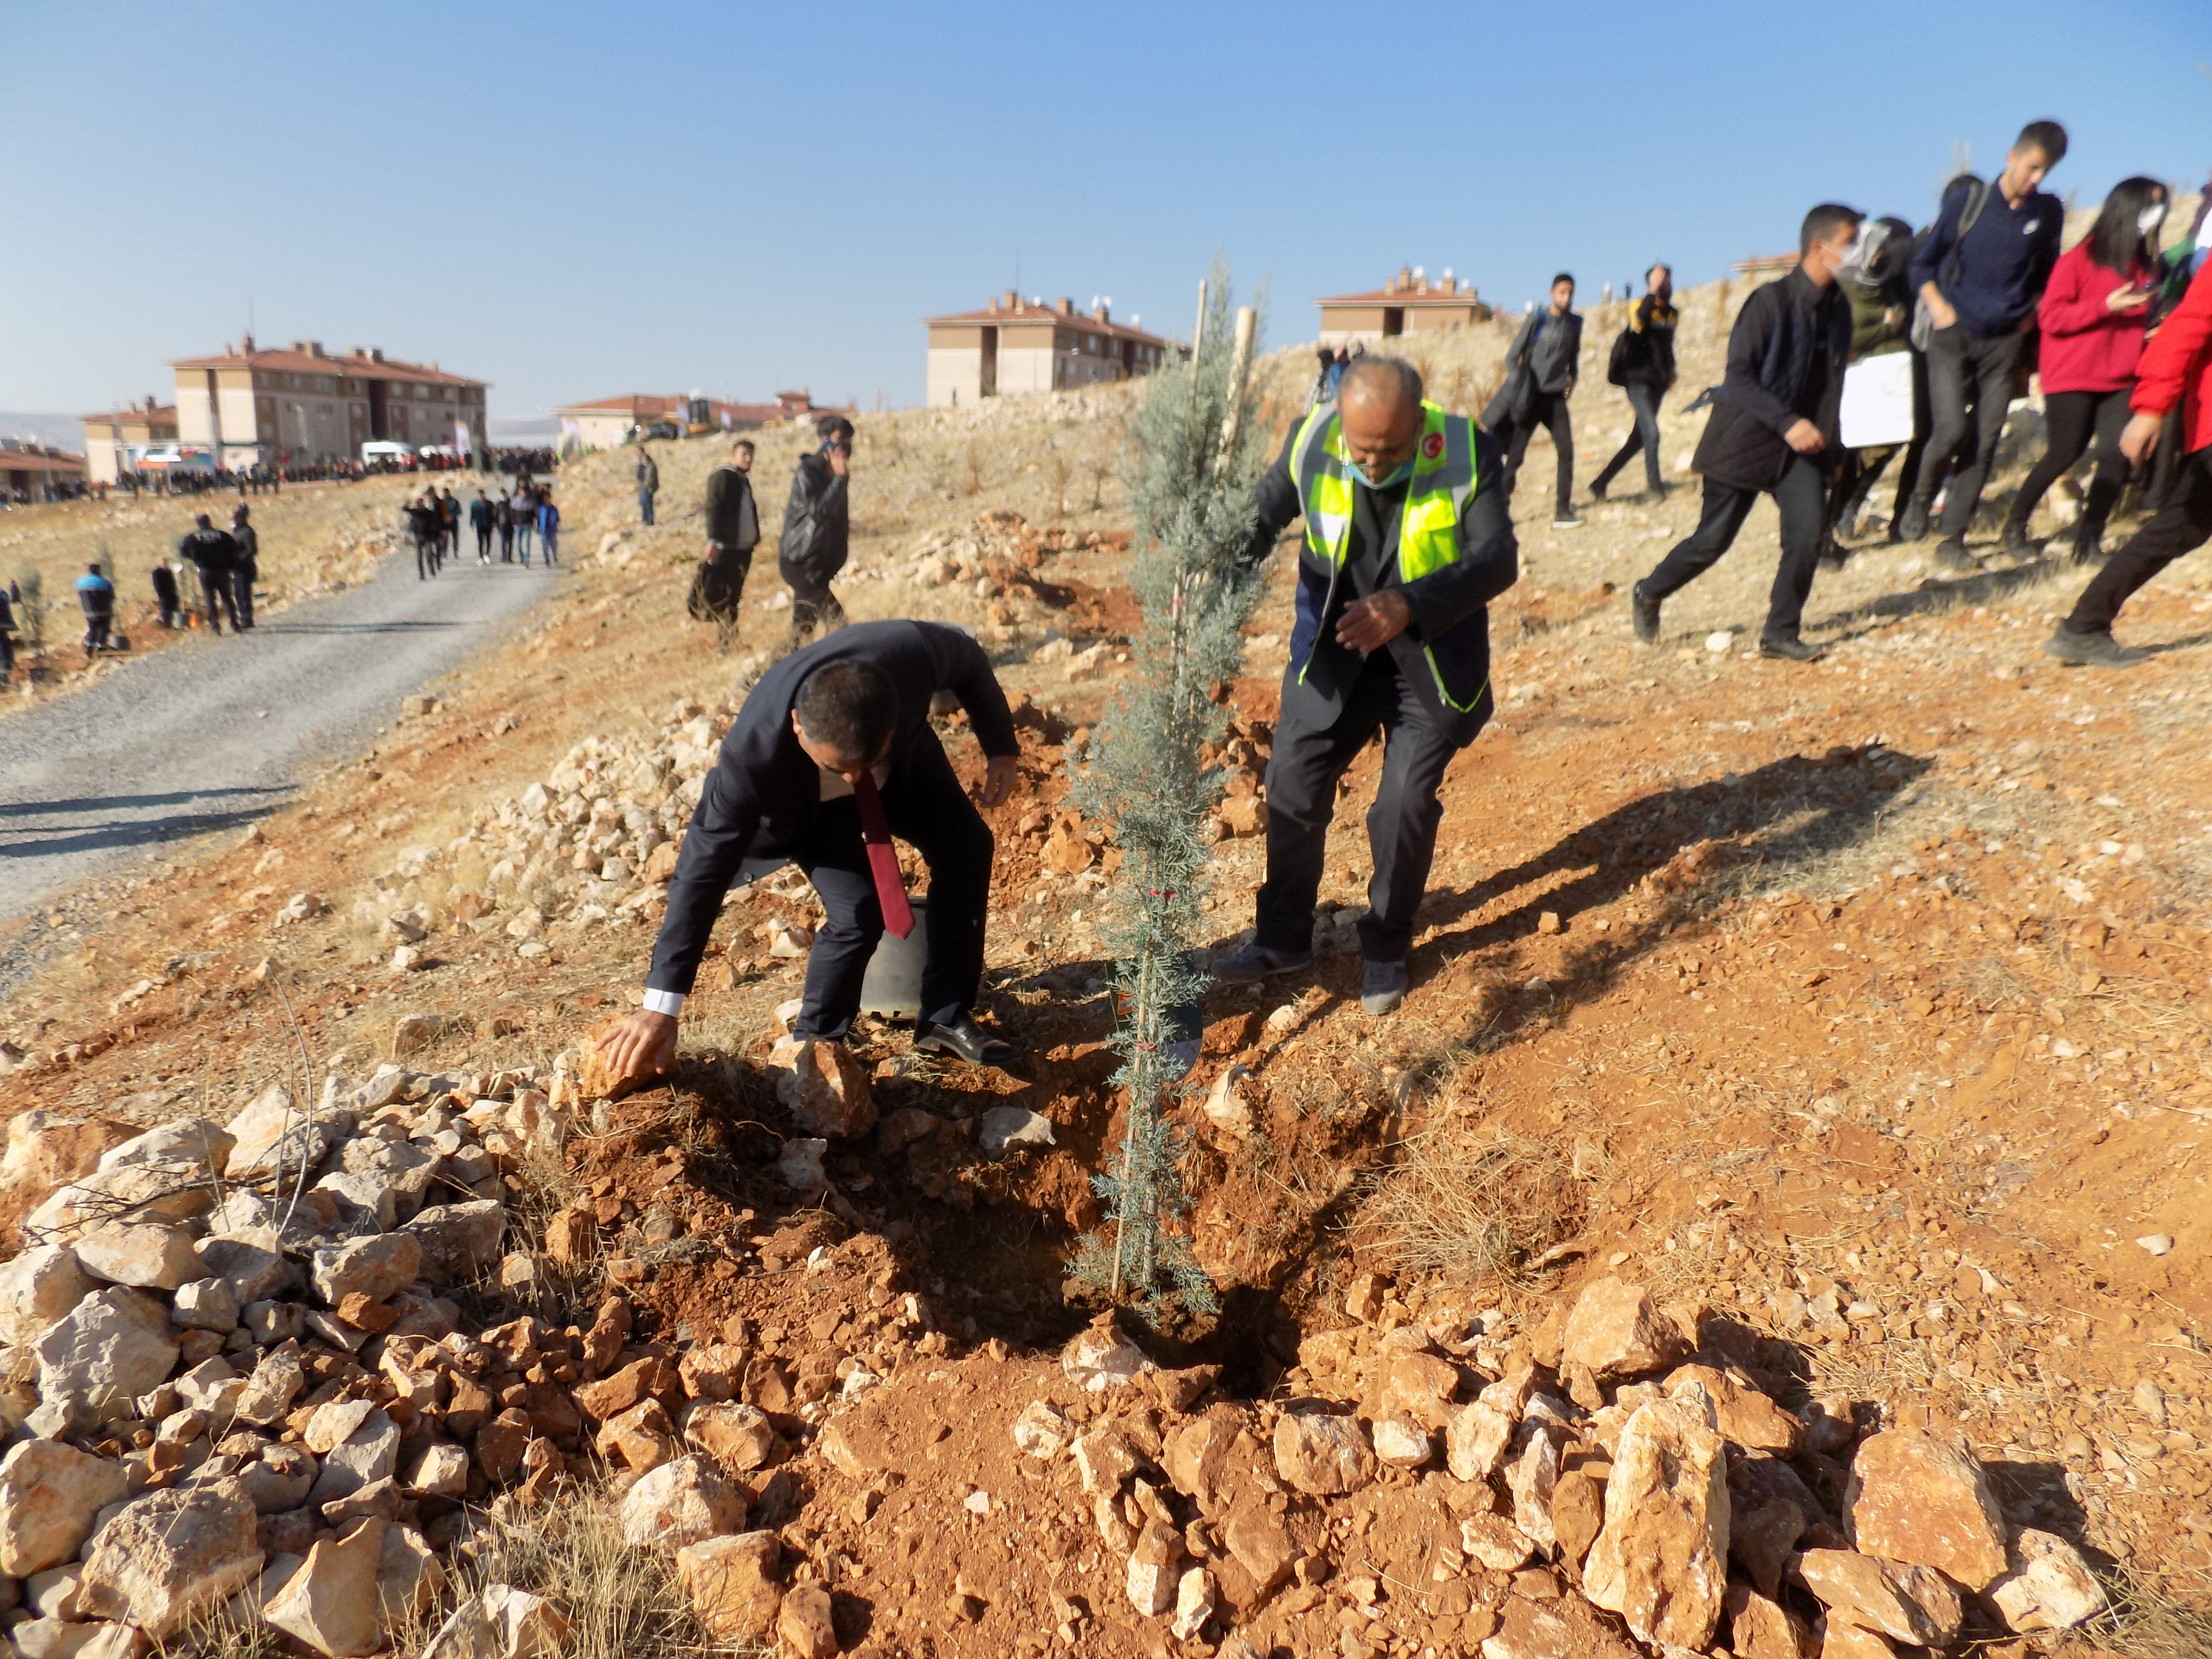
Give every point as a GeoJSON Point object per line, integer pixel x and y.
{"type": "Point", "coordinates": [1643, 367]}
{"type": "Point", "coordinates": [2175, 372]}
{"type": "Point", "coordinates": [1978, 275]}
{"type": "Point", "coordinates": [1774, 427]}
{"type": "Point", "coordinates": [2095, 315]}
{"type": "Point", "coordinates": [1541, 366]}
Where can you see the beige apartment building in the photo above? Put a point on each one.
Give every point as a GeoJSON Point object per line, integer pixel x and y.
{"type": "Point", "coordinates": [109, 438]}
{"type": "Point", "coordinates": [302, 404]}
{"type": "Point", "coordinates": [609, 422]}
{"type": "Point", "coordinates": [1014, 345]}
{"type": "Point", "coordinates": [1409, 303]}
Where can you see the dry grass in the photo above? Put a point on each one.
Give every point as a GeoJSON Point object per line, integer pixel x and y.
{"type": "Point", "coordinates": [2151, 1617]}
{"type": "Point", "coordinates": [1471, 1207]}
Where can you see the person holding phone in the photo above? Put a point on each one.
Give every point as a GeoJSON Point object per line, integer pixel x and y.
{"type": "Point", "coordinates": [2095, 314]}
{"type": "Point", "coordinates": [816, 531]}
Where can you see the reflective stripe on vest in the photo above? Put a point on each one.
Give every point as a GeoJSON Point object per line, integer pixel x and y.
{"type": "Point", "coordinates": [1428, 533]}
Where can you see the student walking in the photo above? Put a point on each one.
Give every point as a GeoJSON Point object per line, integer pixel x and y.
{"type": "Point", "coordinates": [1877, 288]}
{"type": "Point", "coordinates": [1643, 367]}
{"type": "Point", "coordinates": [2175, 371]}
{"type": "Point", "coordinates": [549, 528]}
{"type": "Point", "coordinates": [1774, 421]}
{"type": "Point", "coordinates": [482, 518]}
{"type": "Point", "coordinates": [503, 516]}
{"type": "Point", "coordinates": [648, 484]}
{"type": "Point", "coordinates": [732, 532]}
{"type": "Point", "coordinates": [2095, 314]}
{"type": "Point", "coordinates": [1540, 370]}
{"type": "Point", "coordinates": [1978, 275]}
{"type": "Point", "coordinates": [816, 531]}
{"type": "Point", "coordinates": [422, 527]}
{"type": "Point", "coordinates": [247, 570]}
{"type": "Point", "coordinates": [525, 520]}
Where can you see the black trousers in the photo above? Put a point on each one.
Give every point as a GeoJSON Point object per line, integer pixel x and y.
{"type": "Point", "coordinates": [1964, 369]}
{"type": "Point", "coordinates": [426, 557]}
{"type": "Point", "coordinates": [2070, 420]}
{"type": "Point", "coordinates": [1309, 758]}
{"type": "Point", "coordinates": [812, 605]}
{"type": "Point", "coordinates": [483, 543]}
{"type": "Point", "coordinates": [1645, 401]}
{"type": "Point", "coordinates": [929, 810]}
{"type": "Point", "coordinates": [1800, 493]}
{"type": "Point", "coordinates": [507, 543]}
{"type": "Point", "coordinates": [241, 584]}
{"type": "Point", "coordinates": [1548, 409]}
{"type": "Point", "coordinates": [2182, 526]}
{"type": "Point", "coordinates": [218, 595]}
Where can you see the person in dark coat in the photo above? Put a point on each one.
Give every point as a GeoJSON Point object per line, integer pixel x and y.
{"type": "Point", "coordinates": [817, 527]}
{"type": "Point", "coordinates": [423, 525]}
{"type": "Point", "coordinates": [1644, 368]}
{"type": "Point", "coordinates": [503, 516]}
{"type": "Point", "coordinates": [1542, 368]}
{"type": "Point", "coordinates": [1375, 650]}
{"type": "Point", "coordinates": [7, 634]}
{"type": "Point", "coordinates": [833, 750]}
{"type": "Point", "coordinates": [247, 570]}
{"type": "Point", "coordinates": [648, 484]}
{"type": "Point", "coordinates": [213, 554]}
{"type": "Point", "coordinates": [732, 532]}
{"type": "Point", "coordinates": [482, 516]}
{"type": "Point", "coordinates": [166, 600]}
{"type": "Point", "coordinates": [1774, 428]}
{"type": "Point", "coordinates": [95, 596]}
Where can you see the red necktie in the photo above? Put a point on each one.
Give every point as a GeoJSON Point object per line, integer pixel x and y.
{"type": "Point", "coordinates": [883, 861]}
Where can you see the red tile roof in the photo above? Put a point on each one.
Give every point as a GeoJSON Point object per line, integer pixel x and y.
{"type": "Point", "coordinates": [1412, 297]}
{"type": "Point", "coordinates": [38, 460]}
{"type": "Point", "coordinates": [1037, 316]}
{"type": "Point", "coordinates": [160, 414]}
{"type": "Point", "coordinates": [306, 362]}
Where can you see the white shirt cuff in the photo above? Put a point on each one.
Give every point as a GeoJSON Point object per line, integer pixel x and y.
{"type": "Point", "coordinates": [664, 1002]}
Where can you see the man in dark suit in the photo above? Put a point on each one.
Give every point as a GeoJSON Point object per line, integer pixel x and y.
{"type": "Point", "coordinates": [817, 528]}
{"type": "Point", "coordinates": [832, 754]}
{"type": "Point", "coordinates": [214, 555]}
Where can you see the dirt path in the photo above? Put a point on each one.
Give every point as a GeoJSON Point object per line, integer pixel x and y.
{"type": "Point", "coordinates": [214, 732]}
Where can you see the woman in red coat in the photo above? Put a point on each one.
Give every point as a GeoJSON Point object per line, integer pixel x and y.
{"type": "Point", "coordinates": [2176, 369]}
{"type": "Point", "coordinates": [2093, 316]}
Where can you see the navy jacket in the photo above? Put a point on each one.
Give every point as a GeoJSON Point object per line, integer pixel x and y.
{"type": "Point", "coordinates": [763, 795]}
{"type": "Point", "coordinates": [2004, 261]}
{"type": "Point", "coordinates": [1785, 363]}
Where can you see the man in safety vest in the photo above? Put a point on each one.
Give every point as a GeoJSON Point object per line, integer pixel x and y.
{"type": "Point", "coordinates": [1408, 540]}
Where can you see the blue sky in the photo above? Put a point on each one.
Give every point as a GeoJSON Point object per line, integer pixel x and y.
{"type": "Point", "coordinates": [574, 200]}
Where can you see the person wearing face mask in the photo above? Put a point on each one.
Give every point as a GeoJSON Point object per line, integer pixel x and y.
{"type": "Point", "coordinates": [1876, 289]}
{"type": "Point", "coordinates": [817, 526]}
{"type": "Point", "coordinates": [1408, 540]}
{"type": "Point", "coordinates": [1643, 367]}
{"type": "Point", "coordinates": [1774, 428]}
{"type": "Point", "coordinates": [1978, 275]}
{"type": "Point", "coordinates": [2094, 316]}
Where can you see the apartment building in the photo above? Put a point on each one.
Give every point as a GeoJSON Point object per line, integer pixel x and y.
{"type": "Point", "coordinates": [254, 404]}
{"type": "Point", "coordinates": [1015, 346]}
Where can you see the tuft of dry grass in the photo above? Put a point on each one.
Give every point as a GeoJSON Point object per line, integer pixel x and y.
{"type": "Point", "coordinates": [2150, 1618]}
{"type": "Point", "coordinates": [1471, 1207]}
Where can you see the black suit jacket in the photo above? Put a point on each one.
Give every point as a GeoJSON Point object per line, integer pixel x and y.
{"type": "Point", "coordinates": [764, 793]}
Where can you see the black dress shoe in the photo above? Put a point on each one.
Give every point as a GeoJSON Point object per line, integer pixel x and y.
{"type": "Point", "coordinates": [966, 1040]}
{"type": "Point", "coordinates": [1644, 615]}
{"type": "Point", "coordinates": [1789, 647]}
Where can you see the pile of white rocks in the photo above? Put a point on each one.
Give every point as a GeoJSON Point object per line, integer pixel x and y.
{"type": "Point", "coordinates": [239, 1383]}
{"type": "Point", "coordinates": [1624, 1496]}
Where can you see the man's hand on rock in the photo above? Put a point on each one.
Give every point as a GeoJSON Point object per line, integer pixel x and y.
{"type": "Point", "coordinates": [642, 1045]}
{"type": "Point", "coordinates": [1371, 624]}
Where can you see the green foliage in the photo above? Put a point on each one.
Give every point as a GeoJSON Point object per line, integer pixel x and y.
{"type": "Point", "coordinates": [31, 608]}
{"type": "Point", "coordinates": [1195, 452]}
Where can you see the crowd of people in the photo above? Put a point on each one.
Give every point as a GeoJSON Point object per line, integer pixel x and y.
{"type": "Point", "coordinates": [433, 520]}
{"type": "Point", "coordinates": [1967, 307]}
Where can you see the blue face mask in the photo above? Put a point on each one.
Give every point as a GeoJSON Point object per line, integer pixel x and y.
{"type": "Point", "coordinates": [1404, 470]}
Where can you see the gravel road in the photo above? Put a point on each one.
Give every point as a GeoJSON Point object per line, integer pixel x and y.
{"type": "Point", "coordinates": [215, 733]}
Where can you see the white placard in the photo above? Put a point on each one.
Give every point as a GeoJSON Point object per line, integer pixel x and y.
{"type": "Point", "coordinates": [1878, 401]}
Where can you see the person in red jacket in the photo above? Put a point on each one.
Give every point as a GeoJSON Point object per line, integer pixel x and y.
{"type": "Point", "coordinates": [2093, 315]}
{"type": "Point", "coordinates": [2176, 369]}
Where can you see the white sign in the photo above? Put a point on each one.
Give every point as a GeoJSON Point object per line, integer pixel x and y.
{"type": "Point", "coordinates": [1878, 401]}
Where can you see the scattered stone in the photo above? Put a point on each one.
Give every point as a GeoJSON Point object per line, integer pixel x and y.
{"type": "Point", "coordinates": [2046, 1585]}
{"type": "Point", "coordinates": [1618, 1331]}
{"type": "Point", "coordinates": [732, 1583]}
{"type": "Point", "coordinates": [205, 1304]}
{"type": "Point", "coordinates": [1494, 1542]}
{"type": "Point", "coordinates": [1402, 1444]}
{"type": "Point", "coordinates": [114, 1345]}
{"type": "Point", "coordinates": [1564, 1629]}
{"type": "Point", "coordinates": [1531, 1479]}
{"type": "Point", "coordinates": [1660, 1561]}
{"type": "Point", "coordinates": [2157, 1244]}
{"type": "Point", "coordinates": [1193, 1604]}
{"type": "Point", "coordinates": [800, 1166]}
{"type": "Point", "coordinates": [681, 1502]}
{"type": "Point", "coordinates": [1906, 1603]}
{"type": "Point", "coordinates": [823, 1087]}
{"type": "Point", "coordinates": [38, 1287]}
{"type": "Point", "coordinates": [1475, 1440]}
{"type": "Point", "coordinates": [170, 1555]}
{"type": "Point", "coordinates": [459, 1242]}
{"type": "Point", "coordinates": [738, 1437]}
{"type": "Point", "coordinates": [1101, 1357]}
{"type": "Point", "coordinates": [641, 1437]}
{"type": "Point", "coordinates": [50, 1496]}
{"type": "Point", "coordinates": [1760, 1627]}
{"type": "Point", "coordinates": [442, 1471]}
{"type": "Point", "coordinates": [1042, 1432]}
{"type": "Point", "coordinates": [369, 1453]}
{"type": "Point", "coordinates": [331, 1603]}
{"type": "Point", "coordinates": [1919, 1496]}
{"type": "Point", "coordinates": [375, 1266]}
{"type": "Point", "coordinates": [412, 1031]}
{"type": "Point", "coordinates": [1153, 1577]}
{"type": "Point", "coordinates": [1321, 1453]}
{"type": "Point", "coordinates": [805, 1624]}
{"type": "Point", "coordinates": [147, 1254]}
{"type": "Point", "coordinates": [1745, 1416]}
{"type": "Point", "coordinates": [1003, 1128]}
{"type": "Point", "coordinates": [269, 1391]}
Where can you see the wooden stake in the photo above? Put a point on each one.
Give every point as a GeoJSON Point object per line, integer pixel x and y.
{"type": "Point", "coordinates": [1240, 367]}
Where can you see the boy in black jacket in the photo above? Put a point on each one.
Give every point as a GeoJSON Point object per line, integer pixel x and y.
{"type": "Point", "coordinates": [1774, 428]}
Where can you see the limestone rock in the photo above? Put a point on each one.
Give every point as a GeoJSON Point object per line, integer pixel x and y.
{"type": "Point", "coordinates": [1918, 1496]}
{"type": "Point", "coordinates": [205, 1304]}
{"type": "Point", "coordinates": [50, 1496]}
{"type": "Point", "coordinates": [1402, 1443]}
{"type": "Point", "coordinates": [1762, 1539]}
{"type": "Point", "coordinates": [1577, 1514]}
{"type": "Point", "coordinates": [681, 1502]}
{"type": "Point", "coordinates": [823, 1087]}
{"type": "Point", "coordinates": [37, 1288]}
{"type": "Point", "coordinates": [441, 1471]}
{"type": "Point", "coordinates": [1662, 1560]}
{"type": "Point", "coordinates": [369, 1453]}
{"type": "Point", "coordinates": [1195, 1455]}
{"type": "Point", "coordinates": [1760, 1627]}
{"type": "Point", "coordinates": [800, 1166]}
{"type": "Point", "coordinates": [1321, 1453]}
{"type": "Point", "coordinates": [184, 1140]}
{"type": "Point", "coordinates": [170, 1555]}
{"type": "Point", "coordinates": [1746, 1417]}
{"type": "Point", "coordinates": [146, 1192]}
{"type": "Point", "coordinates": [1104, 1460]}
{"type": "Point", "coordinates": [2046, 1585]}
{"type": "Point", "coordinates": [1907, 1603]}
{"type": "Point", "coordinates": [1475, 1440]}
{"type": "Point", "coordinates": [374, 1266]}
{"type": "Point", "coordinates": [1494, 1542]}
{"type": "Point", "coordinates": [1101, 1357]}
{"type": "Point", "coordinates": [1261, 1543]}
{"type": "Point", "coordinates": [408, 1577]}
{"type": "Point", "coordinates": [1566, 1629]}
{"type": "Point", "coordinates": [1153, 1574]}
{"type": "Point", "coordinates": [732, 1583]}
{"type": "Point", "coordinates": [641, 1437]}
{"type": "Point", "coordinates": [269, 1391]}
{"type": "Point", "coordinates": [1193, 1604]}
{"type": "Point", "coordinates": [460, 1241]}
{"type": "Point", "coordinates": [503, 1622]}
{"type": "Point", "coordinates": [1618, 1331]}
{"type": "Point", "coordinates": [331, 1603]}
{"type": "Point", "coordinates": [805, 1624]}
{"type": "Point", "coordinates": [1042, 1432]}
{"type": "Point", "coordinates": [595, 1079]}
{"type": "Point", "coordinates": [113, 1344]}
{"type": "Point", "coordinates": [1416, 1385]}
{"type": "Point", "coordinates": [1842, 1641]}
{"type": "Point", "coordinates": [47, 1148]}
{"type": "Point", "coordinates": [278, 1478]}
{"type": "Point", "coordinates": [713, 1372]}
{"type": "Point", "coordinates": [738, 1437]}
{"type": "Point", "coordinates": [1531, 1478]}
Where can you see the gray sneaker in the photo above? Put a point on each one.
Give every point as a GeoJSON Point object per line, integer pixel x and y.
{"type": "Point", "coordinates": [1382, 987]}
{"type": "Point", "coordinates": [1255, 962]}
{"type": "Point", "coordinates": [2093, 650]}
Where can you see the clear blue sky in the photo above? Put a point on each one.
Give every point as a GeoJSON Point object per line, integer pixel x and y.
{"type": "Point", "coordinates": [572, 201]}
